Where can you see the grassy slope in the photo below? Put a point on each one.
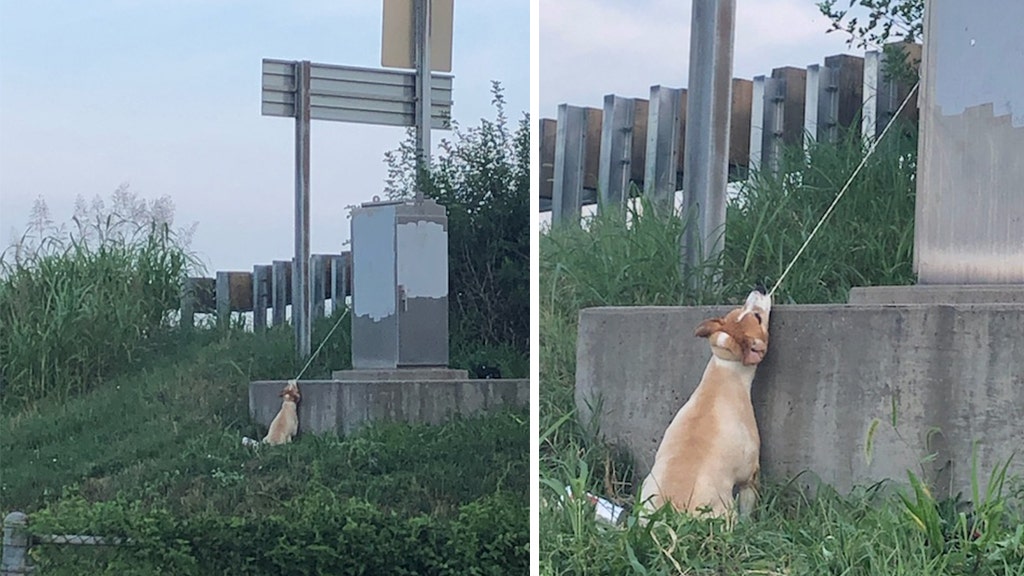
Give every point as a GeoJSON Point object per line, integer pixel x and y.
{"type": "Point", "coordinates": [167, 436]}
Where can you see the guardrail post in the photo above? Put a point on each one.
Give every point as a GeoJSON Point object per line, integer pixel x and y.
{"type": "Point", "coordinates": [339, 281]}
{"type": "Point", "coordinates": [280, 290]}
{"type": "Point", "coordinates": [318, 286]}
{"type": "Point", "coordinates": [16, 543]}
{"type": "Point", "coordinates": [188, 303]}
{"type": "Point", "coordinates": [223, 300]}
{"type": "Point", "coordinates": [570, 163]}
{"type": "Point", "coordinates": [665, 115]}
{"type": "Point", "coordinates": [616, 153]}
{"type": "Point", "coordinates": [260, 296]}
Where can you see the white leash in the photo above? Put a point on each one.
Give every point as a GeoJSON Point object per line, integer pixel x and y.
{"type": "Point", "coordinates": [324, 341]}
{"type": "Point", "coordinates": [842, 191]}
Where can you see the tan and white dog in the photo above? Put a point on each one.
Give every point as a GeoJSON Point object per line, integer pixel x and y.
{"type": "Point", "coordinates": [712, 446]}
{"type": "Point", "coordinates": [286, 424]}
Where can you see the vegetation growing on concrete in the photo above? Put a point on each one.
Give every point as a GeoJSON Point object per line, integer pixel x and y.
{"type": "Point", "coordinates": [633, 259]}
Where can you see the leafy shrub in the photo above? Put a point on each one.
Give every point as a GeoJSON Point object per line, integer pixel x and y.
{"type": "Point", "coordinates": [482, 176]}
{"type": "Point", "coordinates": [317, 532]}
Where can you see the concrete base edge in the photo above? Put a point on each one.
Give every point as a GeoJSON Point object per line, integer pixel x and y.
{"type": "Point", "coordinates": [343, 407]}
{"type": "Point", "coordinates": [835, 380]}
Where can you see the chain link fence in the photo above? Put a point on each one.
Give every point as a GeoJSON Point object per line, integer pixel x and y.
{"type": "Point", "coordinates": [58, 554]}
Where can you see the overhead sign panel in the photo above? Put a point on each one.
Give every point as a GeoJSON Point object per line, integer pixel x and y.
{"type": "Point", "coordinates": [353, 94]}
{"type": "Point", "coordinates": [398, 49]}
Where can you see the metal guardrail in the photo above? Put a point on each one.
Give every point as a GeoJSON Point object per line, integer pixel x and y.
{"type": "Point", "coordinates": [267, 287]}
{"type": "Point", "coordinates": [589, 155]}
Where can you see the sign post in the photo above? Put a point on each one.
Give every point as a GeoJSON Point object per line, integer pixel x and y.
{"type": "Point", "coordinates": [309, 91]}
{"type": "Point", "coordinates": [418, 35]}
{"type": "Point", "coordinates": [300, 270]}
{"type": "Point", "coordinates": [418, 98]}
{"type": "Point", "coordinates": [422, 91]}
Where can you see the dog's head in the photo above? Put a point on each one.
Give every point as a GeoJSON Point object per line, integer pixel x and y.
{"type": "Point", "coordinates": [291, 391]}
{"type": "Point", "coordinates": [741, 335]}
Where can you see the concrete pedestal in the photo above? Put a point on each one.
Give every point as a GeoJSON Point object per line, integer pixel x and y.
{"type": "Point", "coordinates": [343, 407]}
{"type": "Point", "coordinates": [950, 376]}
{"type": "Point", "coordinates": [938, 294]}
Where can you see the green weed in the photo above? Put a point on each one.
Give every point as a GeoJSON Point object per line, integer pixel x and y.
{"type": "Point", "coordinates": [77, 306]}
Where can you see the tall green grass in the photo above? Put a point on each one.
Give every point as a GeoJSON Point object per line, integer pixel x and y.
{"type": "Point", "coordinates": [633, 259]}
{"type": "Point", "coordinates": [867, 241]}
{"type": "Point", "coordinates": [81, 305]}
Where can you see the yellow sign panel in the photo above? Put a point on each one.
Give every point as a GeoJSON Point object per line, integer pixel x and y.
{"type": "Point", "coordinates": [399, 38]}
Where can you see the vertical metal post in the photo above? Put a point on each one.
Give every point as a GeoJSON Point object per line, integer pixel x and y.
{"type": "Point", "coordinates": [188, 303]}
{"type": "Point", "coordinates": [423, 87]}
{"type": "Point", "coordinates": [872, 73]}
{"type": "Point", "coordinates": [279, 290]}
{"type": "Point", "coordinates": [774, 120]}
{"type": "Point", "coordinates": [300, 269]}
{"type": "Point", "coordinates": [318, 290]}
{"type": "Point", "coordinates": [223, 300]}
{"type": "Point", "coordinates": [813, 90]}
{"type": "Point", "coordinates": [660, 166]}
{"type": "Point", "coordinates": [260, 296]}
{"type": "Point", "coordinates": [616, 152]}
{"type": "Point", "coordinates": [570, 148]}
{"type": "Point", "coordinates": [757, 124]}
{"type": "Point", "coordinates": [339, 281]}
{"type": "Point", "coordinates": [706, 150]}
{"type": "Point", "coordinates": [16, 543]}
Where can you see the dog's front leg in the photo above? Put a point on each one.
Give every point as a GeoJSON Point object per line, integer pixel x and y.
{"type": "Point", "coordinates": [747, 496]}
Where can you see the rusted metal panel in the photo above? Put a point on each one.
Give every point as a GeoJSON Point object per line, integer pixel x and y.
{"type": "Point", "coordinates": [739, 124]}
{"type": "Point", "coordinates": [847, 79]}
{"type": "Point", "coordinates": [681, 136]}
{"type": "Point", "coordinates": [639, 145]}
{"type": "Point", "coordinates": [592, 149]}
{"type": "Point", "coordinates": [793, 93]}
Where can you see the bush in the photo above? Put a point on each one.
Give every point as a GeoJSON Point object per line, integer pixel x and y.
{"type": "Point", "coordinates": [482, 176]}
{"type": "Point", "coordinates": [317, 532]}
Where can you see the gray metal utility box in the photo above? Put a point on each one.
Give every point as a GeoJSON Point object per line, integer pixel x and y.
{"type": "Point", "coordinates": [399, 285]}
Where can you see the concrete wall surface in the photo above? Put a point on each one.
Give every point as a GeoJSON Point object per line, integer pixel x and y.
{"type": "Point", "coordinates": [344, 407]}
{"type": "Point", "coordinates": [953, 374]}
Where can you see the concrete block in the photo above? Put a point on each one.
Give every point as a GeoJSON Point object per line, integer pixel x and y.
{"type": "Point", "coordinates": [344, 407]}
{"type": "Point", "coordinates": [952, 378]}
{"type": "Point", "coordinates": [403, 374]}
{"type": "Point", "coordinates": [939, 294]}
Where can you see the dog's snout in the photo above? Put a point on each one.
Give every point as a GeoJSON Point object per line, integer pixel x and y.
{"type": "Point", "coordinates": [755, 352]}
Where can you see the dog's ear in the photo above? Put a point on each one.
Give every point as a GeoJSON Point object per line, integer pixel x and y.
{"type": "Point", "coordinates": [708, 327]}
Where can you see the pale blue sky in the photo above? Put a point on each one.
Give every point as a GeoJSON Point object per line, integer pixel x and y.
{"type": "Point", "coordinates": [589, 48]}
{"type": "Point", "coordinates": [165, 95]}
